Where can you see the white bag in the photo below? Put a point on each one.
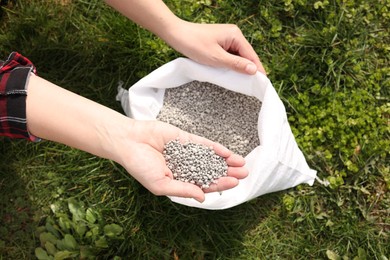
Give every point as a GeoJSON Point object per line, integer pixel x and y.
{"type": "Point", "coordinates": [276, 164]}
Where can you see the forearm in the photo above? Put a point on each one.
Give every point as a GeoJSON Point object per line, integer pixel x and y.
{"type": "Point", "coordinates": [56, 114]}
{"type": "Point", "coordinates": [152, 15]}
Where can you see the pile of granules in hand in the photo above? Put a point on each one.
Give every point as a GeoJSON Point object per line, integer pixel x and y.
{"type": "Point", "coordinates": [218, 114]}
{"type": "Point", "coordinates": [194, 163]}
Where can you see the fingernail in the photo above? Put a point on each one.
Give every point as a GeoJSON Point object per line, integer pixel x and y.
{"type": "Point", "coordinates": [250, 68]}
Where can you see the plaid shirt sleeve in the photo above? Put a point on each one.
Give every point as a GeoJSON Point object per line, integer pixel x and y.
{"type": "Point", "coordinates": [14, 75]}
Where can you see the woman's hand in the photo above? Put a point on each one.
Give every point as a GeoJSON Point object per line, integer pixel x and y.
{"type": "Point", "coordinates": [141, 155]}
{"type": "Point", "coordinates": [218, 45]}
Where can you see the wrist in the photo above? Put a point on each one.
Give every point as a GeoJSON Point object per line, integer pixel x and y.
{"type": "Point", "coordinates": [116, 136]}
{"type": "Point", "coordinates": [170, 29]}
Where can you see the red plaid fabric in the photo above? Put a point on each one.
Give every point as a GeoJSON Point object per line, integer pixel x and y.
{"type": "Point", "coordinates": [14, 74]}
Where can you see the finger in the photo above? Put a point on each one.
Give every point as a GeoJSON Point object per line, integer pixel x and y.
{"type": "Point", "coordinates": [223, 183]}
{"type": "Point", "coordinates": [237, 172]}
{"type": "Point", "coordinates": [235, 160]}
{"type": "Point", "coordinates": [260, 67]}
{"type": "Point", "coordinates": [181, 189]}
{"type": "Point", "coordinates": [249, 53]}
{"type": "Point", "coordinates": [240, 56]}
{"type": "Point", "coordinates": [243, 65]}
{"type": "Point", "coordinates": [244, 49]}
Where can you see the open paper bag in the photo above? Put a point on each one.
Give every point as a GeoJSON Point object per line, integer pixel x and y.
{"type": "Point", "coordinates": [276, 164]}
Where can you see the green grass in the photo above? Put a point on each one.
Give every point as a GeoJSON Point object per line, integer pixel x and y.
{"type": "Point", "coordinates": [329, 62]}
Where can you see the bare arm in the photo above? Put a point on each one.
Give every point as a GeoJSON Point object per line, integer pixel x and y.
{"type": "Point", "coordinates": [56, 114]}
{"type": "Point", "coordinates": [219, 45]}
{"type": "Point", "coordinates": [153, 15]}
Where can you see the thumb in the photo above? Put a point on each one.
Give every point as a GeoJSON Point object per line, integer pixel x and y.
{"type": "Point", "coordinates": [240, 64]}
{"type": "Point", "coordinates": [181, 189]}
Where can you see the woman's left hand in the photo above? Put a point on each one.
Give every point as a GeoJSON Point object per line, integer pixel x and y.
{"type": "Point", "coordinates": [218, 45]}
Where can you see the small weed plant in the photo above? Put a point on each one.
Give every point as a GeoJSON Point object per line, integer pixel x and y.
{"type": "Point", "coordinates": [75, 232]}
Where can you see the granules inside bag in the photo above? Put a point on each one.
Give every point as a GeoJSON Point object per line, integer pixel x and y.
{"type": "Point", "coordinates": [218, 114]}
{"type": "Point", "coordinates": [194, 163]}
